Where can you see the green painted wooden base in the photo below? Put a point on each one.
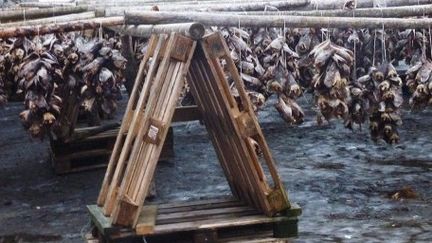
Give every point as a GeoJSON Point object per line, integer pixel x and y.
{"type": "Point", "coordinates": [201, 221]}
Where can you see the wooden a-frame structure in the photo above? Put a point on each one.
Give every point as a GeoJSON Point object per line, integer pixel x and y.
{"type": "Point", "coordinates": [231, 125]}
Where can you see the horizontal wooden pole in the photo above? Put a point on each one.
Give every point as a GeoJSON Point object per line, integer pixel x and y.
{"type": "Point", "coordinates": [45, 4]}
{"type": "Point", "coordinates": [389, 12]}
{"type": "Point", "coordinates": [194, 30]}
{"type": "Point", "coordinates": [338, 4]}
{"type": "Point", "coordinates": [51, 20]}
{"type": "Point", "coordinates": [223, 19]}
{"type": "Point", "coordinates": [215, 7]}
{"type": "Point", "coordinates": [129, 3]}
{"type": "Point", "coordinates": [23, 14]}
{"type": "Point", "coordinates": [308, 5]}
{"type": "Point", "coordinates": [30, 30]}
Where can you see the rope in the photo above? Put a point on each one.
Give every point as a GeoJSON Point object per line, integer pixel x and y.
{"type": "Point", "coordinates": [328, 28]}
{"type": "Point", "coordinates": [374, 49]}
{"type": "Point", "coordinates": [355, 56]}
{"type": "Point", "coordinates": [383, 40]}
{"type": "Point", "coordinates": [384, 52]}
{"type": "Point", "coordinates": [424, 44]}
{"type": "Point", "coordinates": [430, 41]}
{"type": "Point", "coordinates": [86, 228]}
{"type": "Point", "coordinates": [100, 31]}
{"type": "Point", "coordinates": [355, 62]}
{"type": "Point", "coordinates": [55, 18]}
{"type": "Point", "coordinates": [239, 27]}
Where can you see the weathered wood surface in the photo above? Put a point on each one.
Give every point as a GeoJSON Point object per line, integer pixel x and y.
{"type": "Point", "coordinates": [233, 128]}
{"type": "Point", "coordinates": [46, 4]}
{"type": "Point", "coordinates": [23, 14]}
{"type": "Point", "coordinates": [389, 12]}
{"type": "Point", "coordinates": [224, 19]}
{"type": "Point", "coordinates": [117, 160]}
{"type": "Point", "coordinates": [338, 4]}
{"type": "Point", "coordinates": [203, 7]}
{"type": "Point", "coordinates": [134, 158]}
{"type": "Point", "coordinates": [214, 214]}
{"type": "Point", "coordinates": [51, 20]}
{"type": "Point", "coordinates": [78, 25]}
{"type": "Point", "coordinates": [193, 30]}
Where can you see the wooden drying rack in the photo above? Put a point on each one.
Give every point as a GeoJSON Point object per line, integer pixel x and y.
{"type": "Point", "coordinates": [233, 129]}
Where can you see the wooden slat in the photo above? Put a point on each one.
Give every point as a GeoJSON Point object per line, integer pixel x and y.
{"type": "Point", "coordinates": [212, 201]}
{"type": "Point", "coordinates": [217, 216]}
{"type": "Point", "coordinates": [201, 207]}
{"type": "Point", "coordinates": [193, 214]}
{"type": "Point", "coordinates": [220, 223]}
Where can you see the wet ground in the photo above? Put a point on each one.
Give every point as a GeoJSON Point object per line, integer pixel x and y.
{"type": "Point", "coordinates": [340, 178]}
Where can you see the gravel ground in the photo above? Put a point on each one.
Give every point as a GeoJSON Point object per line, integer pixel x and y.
{"type": "Point", "coordinates": [340, 178]}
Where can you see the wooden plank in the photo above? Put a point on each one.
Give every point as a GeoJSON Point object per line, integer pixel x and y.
{"type": "Point", "coordinates": [201, 207]}
{"type": "Point", "coordinates": [100, 220]}
{"type": "Point", "coordinates": [266, 237]}
{"type": "Point", "coordinates": [222, 223]}
{"type": "Point", "coordinates": [202, 213]}
{"type": "Point", "coordinates": [211, 201]}
{"type": "Point", "coordinates": [215, 217]}
{"type": "Point", "coordinates": [147, 220]}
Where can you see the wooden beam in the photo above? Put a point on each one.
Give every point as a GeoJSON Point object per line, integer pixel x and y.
{"type": "Point", "coordinates": [204, 7]}
{"type": "Point", "coordinates": [30, 30]}
{"type": "Point", "coordinates": [389, 12]}
{"type": "Point", "coordinates": [51, 20]}
{"type": "Point", "coordinates": [338, 4]}
{"type": "Point", "coordinates": [219, 19]}
{"type": "Point", "coordinates": [24, 14]}
{"type": "Point", "coordinates": [193, 30]}
{"type": "Point", "coordinates": [46, 4]}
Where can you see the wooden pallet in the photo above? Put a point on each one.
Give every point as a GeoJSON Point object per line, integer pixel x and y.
{"type": "Point", "coordinates": [147, 119]}
{"type": "Point", "coordinates": [94, 152]}
{"type": "Point", "coordinates": [233, 127]}
{"type": "Point", "coordinates": [214, 220]}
